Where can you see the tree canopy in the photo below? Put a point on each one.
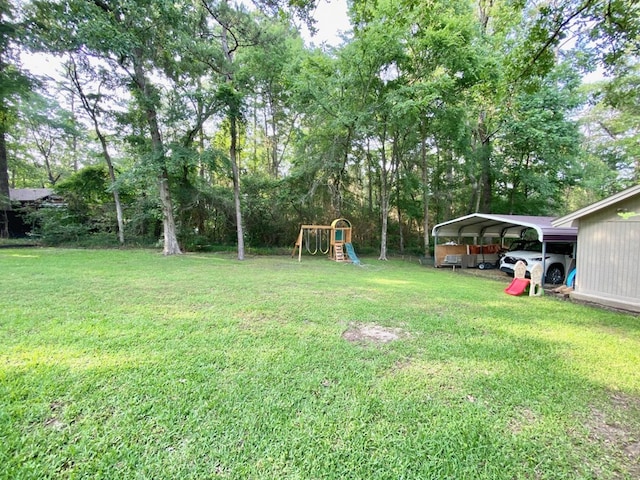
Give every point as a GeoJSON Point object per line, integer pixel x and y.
{"type": "Point", "coordinates": [217, 125]}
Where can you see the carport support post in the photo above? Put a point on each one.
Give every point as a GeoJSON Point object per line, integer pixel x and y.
{"type": "Point", "coordinates": [544, 262]}
{"type": "Point", "coordinates": [435, 250]}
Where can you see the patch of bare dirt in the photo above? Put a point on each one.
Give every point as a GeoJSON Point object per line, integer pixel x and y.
{"type": "Point", "coordinates": [53, 421]}
{"type": "Point", "coordinates": [491, 273]}
{"type": "Point", "coordinates": [372, 334]}
{"type": "Point", "coordinates": [522, 419]}
{"type": "Point", "coordinates": [621, 440]}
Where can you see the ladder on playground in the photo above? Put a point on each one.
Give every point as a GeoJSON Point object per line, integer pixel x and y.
{"type": "Point", "coordinates": [339, 252]}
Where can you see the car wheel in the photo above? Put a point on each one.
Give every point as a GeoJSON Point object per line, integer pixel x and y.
{"type": "Point", "coordinates": [555, 274]}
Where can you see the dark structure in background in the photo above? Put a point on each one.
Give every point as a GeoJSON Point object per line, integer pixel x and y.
{"type": "Point", "coordinates": [25, 201]}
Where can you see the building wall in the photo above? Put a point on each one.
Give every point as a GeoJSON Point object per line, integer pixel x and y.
{"type": "Point", "coordinates": [608, 257]}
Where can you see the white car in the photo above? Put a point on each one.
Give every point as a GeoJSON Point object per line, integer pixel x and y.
{"type": "Point", "coordinates": [557, 259]}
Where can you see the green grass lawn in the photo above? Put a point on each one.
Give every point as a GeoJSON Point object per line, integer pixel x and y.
{"type": "Point", "coordinates": [127, 364]}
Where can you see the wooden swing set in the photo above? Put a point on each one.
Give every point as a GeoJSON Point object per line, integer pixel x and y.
{"type": "Point", "coordinates": [326, 239]}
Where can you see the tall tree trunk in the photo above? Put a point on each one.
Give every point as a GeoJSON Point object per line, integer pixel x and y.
{"type": "Point", "coordinates": [482, 149]}
{"type": "Point", "coordinates": [171, 246]}
{"type": "Point", "coordinates": [369, 178]}
{"type": "Point", "coordinates": [398, 209]}
{"type": "Point", "coordinates": [254, 141]}
{"type": "Point", "coordinates": [425, 196]}
{"type": "Point", "coordinates": [112, 178]}
{"type": "Point", "coordinates": [400, 230]}
{"type": "Point", "coordinates": [336, 178]}
{"type": "Point", "coordinates": [482, 137]}
{"type": "Point", "coordinates": [92, 111]}
{"type": "Point", "coordinates": [5, 202]}
{"type": "Point", "coordinates": [274, 166]}
{"type": "Point", "coordinates": [385, 225]}
{"type": "Point", "coordinates": [74, 141]}
{"type": "Point", "coordinates": [236, 186]}
{"type": "Point", "coordinates": [486, 181]}
{"type": "Point", "coordinates": [384, 197]}
{"type": "Point", "coordinates": [234, 114]}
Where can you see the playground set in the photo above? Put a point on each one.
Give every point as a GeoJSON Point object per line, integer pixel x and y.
{"type": "Point", "coordinates": [332, 240]}
{"type": "Point", "coordinates": [520, 284]}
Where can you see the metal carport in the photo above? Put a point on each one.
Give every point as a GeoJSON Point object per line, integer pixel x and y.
{"type": "Point", "coordinates": [480, 226]}
{"type": "Point", "coordinates": [483, 225]}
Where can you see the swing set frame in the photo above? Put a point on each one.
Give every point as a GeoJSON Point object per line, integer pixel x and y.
{"type": "Point", "coordinates": [332, 236]}
{"type": "Point", "coordinates": [319, 233]}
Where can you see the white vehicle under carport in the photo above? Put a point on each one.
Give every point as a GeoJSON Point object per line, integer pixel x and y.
{"type": "Point", "coordinates": [557, 258]}
{"type": "Point", "coordinates": [479, 229]}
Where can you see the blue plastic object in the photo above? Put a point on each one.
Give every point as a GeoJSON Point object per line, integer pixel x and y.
{"type": "Point", "coordinates": [352, 254]}
{"type": "Point", "coordinates": [571, 278]}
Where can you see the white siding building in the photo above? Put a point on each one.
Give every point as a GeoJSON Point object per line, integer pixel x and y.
{"type": "Point", "coordinates": [608, 251]}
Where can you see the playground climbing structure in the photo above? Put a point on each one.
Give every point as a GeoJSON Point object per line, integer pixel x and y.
{"type": "Point", "coordinates": [330, 240]}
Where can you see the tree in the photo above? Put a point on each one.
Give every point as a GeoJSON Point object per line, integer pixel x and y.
{"type": "Point", "coordinates": [430, 49]}
{"type": "Point", "coordinates": [327, 103]}
{"type": "Point", "coordinates": [130, 36]}
{"type": "Point", "coordinates": [91, 104]}
{"type": "Point", "coordinates": [271, 70]}
{"type": "Point", "coordinates": [13, 85]}
{"type": "Point", "coordinates": [611, 141]}
{"type": "Point", "coordinates": [442, 65]}
{"type": "Point", "coordinates": [537, 149]}
{"type": "Point", "coordinates": [621, 122]}
{"type": "Point", "coordinates": [52, 131]}
{"type": "Point", "coordinates": [607, 32]}
{"type": "Point", "coordinates": [226, 113]}
{"type": "Point", "coordinates": [238, 31]}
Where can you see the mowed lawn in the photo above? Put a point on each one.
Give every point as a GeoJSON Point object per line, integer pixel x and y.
{"type": "Point", "coordinates": [127, 364]}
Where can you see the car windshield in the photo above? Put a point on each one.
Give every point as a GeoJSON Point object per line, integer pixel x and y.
{"type": "Point", "coordinates": [526, 245]}
{"type": "Point", "coordinates": [536, 246]}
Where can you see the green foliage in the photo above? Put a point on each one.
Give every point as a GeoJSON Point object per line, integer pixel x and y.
{"type": "Point", "coordinates": [14, 85]}
{"type": "Point", "coordinates": [433, 108]}
{"type": "Point", "coordinates": [232, 100]}
{"type": "Point", "coordinates": [538, 152]}
{"type": "Point", "coordinates": [611, 149]}
{"type": "Point", "coordinates": [144, 221]}
{"type": "Point", "coordinates": [82, 213]}
{"type": "Point", "coordinates": [88, 217]}
{"type": "Point", "coordinates": [53, 135]}
{"type": "Point", "coordinates": [59, 226]}
{"type": "Point", "coordinates": [268, 217]}
{"type": "Point", "coordinates": [85, 189]}
{"type": "Point", "coordinates": [206, 216]}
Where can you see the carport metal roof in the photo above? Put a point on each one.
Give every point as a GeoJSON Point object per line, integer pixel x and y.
{"type": "Point", "coordinates": [484, 225]}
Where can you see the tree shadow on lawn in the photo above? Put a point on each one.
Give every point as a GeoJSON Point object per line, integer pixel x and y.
{"type": "Point", "coordinates": [523, 392]}
{"type": "Point", "coordinates": [527, 383]}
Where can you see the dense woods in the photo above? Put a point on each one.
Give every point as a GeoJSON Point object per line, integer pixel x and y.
{"type": "Point", "coordinates": [198, 123]}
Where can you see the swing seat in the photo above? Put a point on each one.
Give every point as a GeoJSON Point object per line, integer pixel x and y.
{"type": "Point", "coordinates": [318, 233]}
